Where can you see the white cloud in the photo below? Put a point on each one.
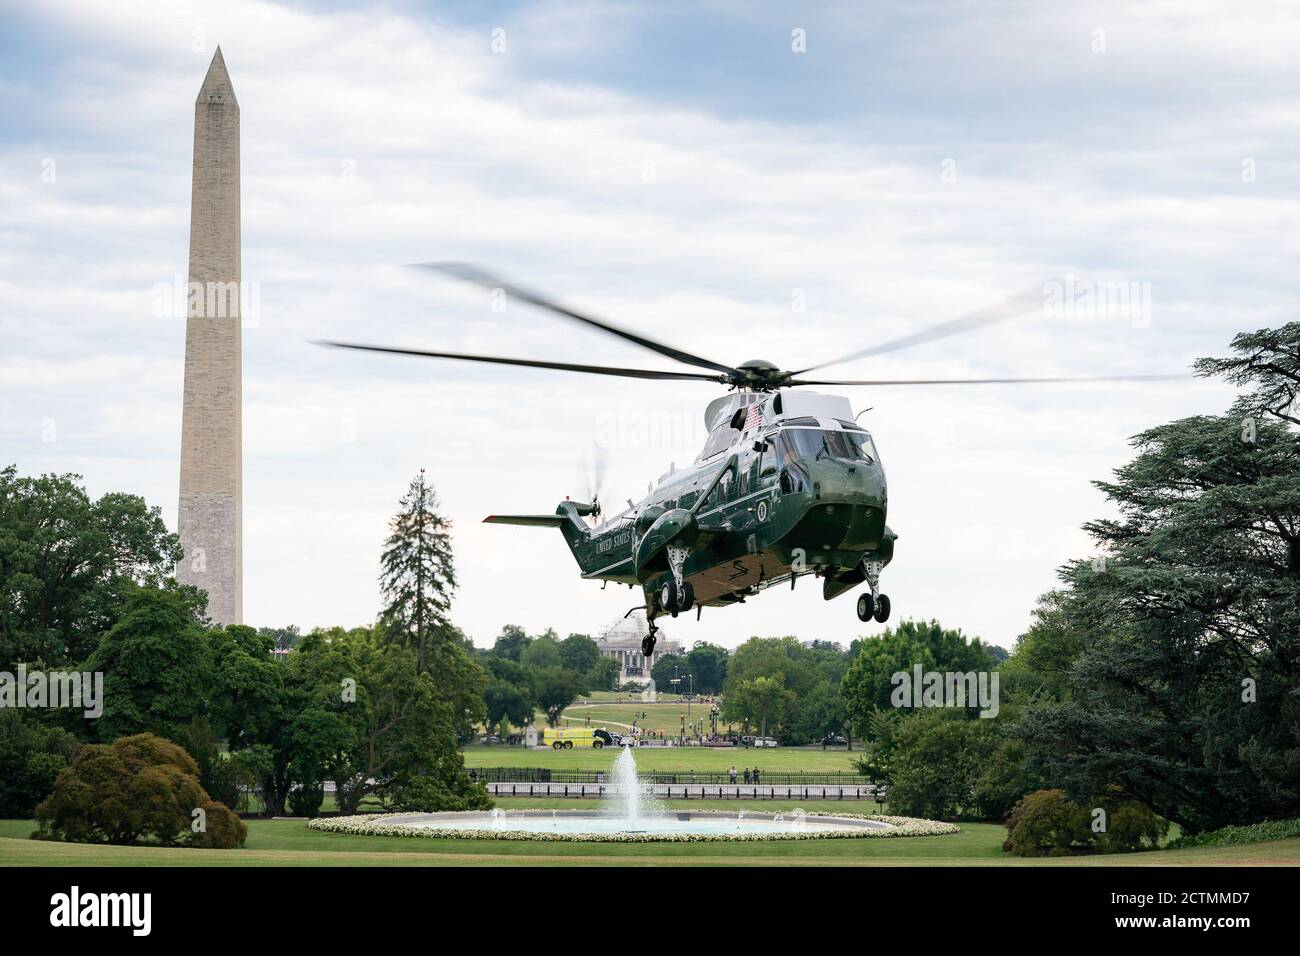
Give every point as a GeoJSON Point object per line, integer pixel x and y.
{"type": "Point", "coordinates": [372, 139]}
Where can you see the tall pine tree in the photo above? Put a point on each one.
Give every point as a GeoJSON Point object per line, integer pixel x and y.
{"type": "Point", "coordinates": [417, 576]}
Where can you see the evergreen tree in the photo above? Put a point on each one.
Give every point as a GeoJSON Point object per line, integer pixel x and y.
{"type": "Point", "coordinates": [416, 575]}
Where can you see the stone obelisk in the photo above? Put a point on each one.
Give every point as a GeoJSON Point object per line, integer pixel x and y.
{"type": "Point", "coordinates": [210, 521]}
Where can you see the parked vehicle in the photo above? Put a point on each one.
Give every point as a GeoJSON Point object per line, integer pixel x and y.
{"type": "Point", "coordinates": [765, 742]}
{"type": "Point", "coordinates": [834, 740]}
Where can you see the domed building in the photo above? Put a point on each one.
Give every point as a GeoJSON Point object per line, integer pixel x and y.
{"type": "Point", "coordinates": [622, 641]}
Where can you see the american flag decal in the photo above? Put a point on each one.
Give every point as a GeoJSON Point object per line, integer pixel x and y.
{"type": "Point", "coordinates": [753, 417]}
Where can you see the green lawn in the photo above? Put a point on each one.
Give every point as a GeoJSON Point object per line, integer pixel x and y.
{"type": "Point", "coordinates": [787, 759]}
{"type": "Point", "coordinates": [618, 717]}
{"type": "Point", "coordinates": [290, 843]}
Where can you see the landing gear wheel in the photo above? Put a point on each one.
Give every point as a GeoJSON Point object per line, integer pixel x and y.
{"type": "Point", "coordinates": [866, 606]}
{"type": "Point", "coordinates": [647, 645]}
{"type": "Point", "coordinates": [882, 608]}
{"type": "Point", "coordinates": [688, 596]}
{"type": "Point", "coordinates": [668, 597]}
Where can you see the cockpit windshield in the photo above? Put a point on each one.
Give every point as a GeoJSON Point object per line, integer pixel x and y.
{"type": "Point", "coordinates": [818, 443]}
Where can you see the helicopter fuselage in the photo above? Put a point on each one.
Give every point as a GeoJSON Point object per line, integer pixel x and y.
{"type": "Point", "coordinates": [794, 486]}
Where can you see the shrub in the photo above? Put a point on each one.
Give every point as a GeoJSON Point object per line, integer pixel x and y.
{"type": "Point", "coordinates": [138, 787]}
{"type": "Point", "coordinates": [430, 794]}
{"type": "Point", "coordinates": [224, 830]}
{"type": "Point", "coordinates": [1130, 826]}
{"type": "Point", "coordinates": [1234, 836]}
{"type": "Point", "coordinates": [1045, 823]}
{"type": "Point", "coordinates": [305, 799]}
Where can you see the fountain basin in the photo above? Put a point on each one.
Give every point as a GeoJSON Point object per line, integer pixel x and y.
{"type": "Point", "coordinates": [594, 826]}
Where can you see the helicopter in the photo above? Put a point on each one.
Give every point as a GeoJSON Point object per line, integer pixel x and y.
{"type": "Point", "coordinates": [787, 485]}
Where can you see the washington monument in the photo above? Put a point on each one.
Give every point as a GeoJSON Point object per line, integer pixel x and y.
{"type": "Point", "coordinates": [210, 521]}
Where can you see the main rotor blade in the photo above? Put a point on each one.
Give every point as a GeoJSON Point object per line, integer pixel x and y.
{"type": "Point", "coordinates": [471, 273]}
{"type": "Point", "coordinates": [994, 381]}
{"type": "Point", "coordinates": [1026, 301]}
{"type": "Point", "coordinates": [530, 363]}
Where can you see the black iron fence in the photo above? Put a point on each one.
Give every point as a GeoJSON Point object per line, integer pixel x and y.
{"type": "Point", "coordinates": [774, 778]}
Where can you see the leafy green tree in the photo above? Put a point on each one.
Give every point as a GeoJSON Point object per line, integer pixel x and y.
{"type": "Point", "coordinates": [603, 675]}
{"type": "Point", "coordinates": [417, 575]}
{"type": "Point", "coordinates": [936, 763]}
{"type": "Point", "coordinates": [1183, 694]}
{"type": "Point", "coordinates": [32, 753]}
{"type": "Point", "coordinates": [817, 714]}
{"type": "Point", "coordinates": [758, 701]}
{"type": "Point", "coordinates": [579, 654]}
{"type": "Point", "coordinates": [506, 703]}
{"type": "Point", "coordinates": [556, 690]}
{"type": "Point", "coordinates": [396, 727]}
{"type": "Point", "coordinates": [510, 643]}
{"type": "Point", "coordinates": [247, 685]}
{"type": "Point", "coordinates": [666, 667]}
{"type": "Point", "coordinates": [708, 662]}
{"type": "Point", "coordinates": [67, 565]}
{"type": "Point", "coordinates": [137, 787]}
{"type": "Point", "coordinates": [542, 653]}
{"type": "Point", "coordinates": [157, 666]}
{"type": "Point", "coordinates": [868, 684]}
{"type": "Point", "coordinates": [460, 683]}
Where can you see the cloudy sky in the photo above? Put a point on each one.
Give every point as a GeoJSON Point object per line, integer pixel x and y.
{"type": "Point", "coordinates": [697, 171]}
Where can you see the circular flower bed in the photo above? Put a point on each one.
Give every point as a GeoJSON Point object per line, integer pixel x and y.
{"type": "Point", "coordinates": [373, 824]}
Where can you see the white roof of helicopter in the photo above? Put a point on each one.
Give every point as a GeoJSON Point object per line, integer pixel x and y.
{"type": "Point", "coordinates": [795, 403]}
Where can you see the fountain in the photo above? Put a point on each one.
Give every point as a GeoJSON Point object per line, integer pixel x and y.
{"type": "Point", "coordinates": [626, 800]}
{"type": "Point", "coordinates": [631, 812]}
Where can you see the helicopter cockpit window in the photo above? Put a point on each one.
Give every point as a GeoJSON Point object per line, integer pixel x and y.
{"type": "Point", "coordinates": [817, 443]}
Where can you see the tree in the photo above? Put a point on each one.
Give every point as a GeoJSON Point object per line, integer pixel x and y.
{"type": "Point", "coordinates": [556, 690]}
{"type": "Point", "coordinates": [868, 683]}
{"type": "Point", "coordinates": [246, 688]}
{"type": "Point", "coordinates": [138, 786]}
{"type": "Point", "coordinates": [708, 662]}
{"type": "Point", "coordinates": [759, 700]}
{"type": "Point", "coordinates": [510, 643]}
{"type": "Point", "coordinates": [604, 675]}
{"type": "Point", "coordinates": [506, 702]}
{"type": "Point", "coordinates": [31, 755]}
{"type": "Point", "coordinates": [579, 654]}
{"type": "Point", "coordinates": [1268, 363]}
{"type": "Point", "coordinates": [68, 563]}
{"type": "Point", "coordinates": [156, 664]}
{"type": "Point", "coordinates": [360, 714]}
{"type": "Point", "coordinates": [1182, 696]}
{"type": "Point", "coordinates": [542, 653]}
{"type": "Point", "coordinates": [417, 576]}
{"type": "Point", "coordinates": [666, 667]}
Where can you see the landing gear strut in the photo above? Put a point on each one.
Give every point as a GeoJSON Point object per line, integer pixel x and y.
{"type": "Point", "coordinates": [873, 604]}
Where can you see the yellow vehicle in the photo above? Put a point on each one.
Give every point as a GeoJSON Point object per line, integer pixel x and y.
{"type": "Point", "coordinates": [566, 738]}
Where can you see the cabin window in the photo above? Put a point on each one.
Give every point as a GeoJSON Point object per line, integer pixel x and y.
{"type": "Point", "coordinates": [720, 440]}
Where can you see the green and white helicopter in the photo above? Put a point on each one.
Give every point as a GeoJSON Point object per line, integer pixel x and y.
{"type": "Point", "coordinates": [787, 485]}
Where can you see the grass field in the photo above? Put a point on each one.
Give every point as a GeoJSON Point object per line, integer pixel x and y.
{"type": "Point", "coordinates": [619, 717]}
{"type": "Point", "coordinates": [791, 759]}
{"type": "Point", "coordinates": [290, 843]}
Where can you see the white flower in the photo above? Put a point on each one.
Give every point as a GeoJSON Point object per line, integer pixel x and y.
{"type": "Point", "coordinates": [372, 825]}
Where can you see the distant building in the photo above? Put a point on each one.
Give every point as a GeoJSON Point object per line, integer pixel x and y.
{"type": "Point", "coordinates": [622, 641]}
